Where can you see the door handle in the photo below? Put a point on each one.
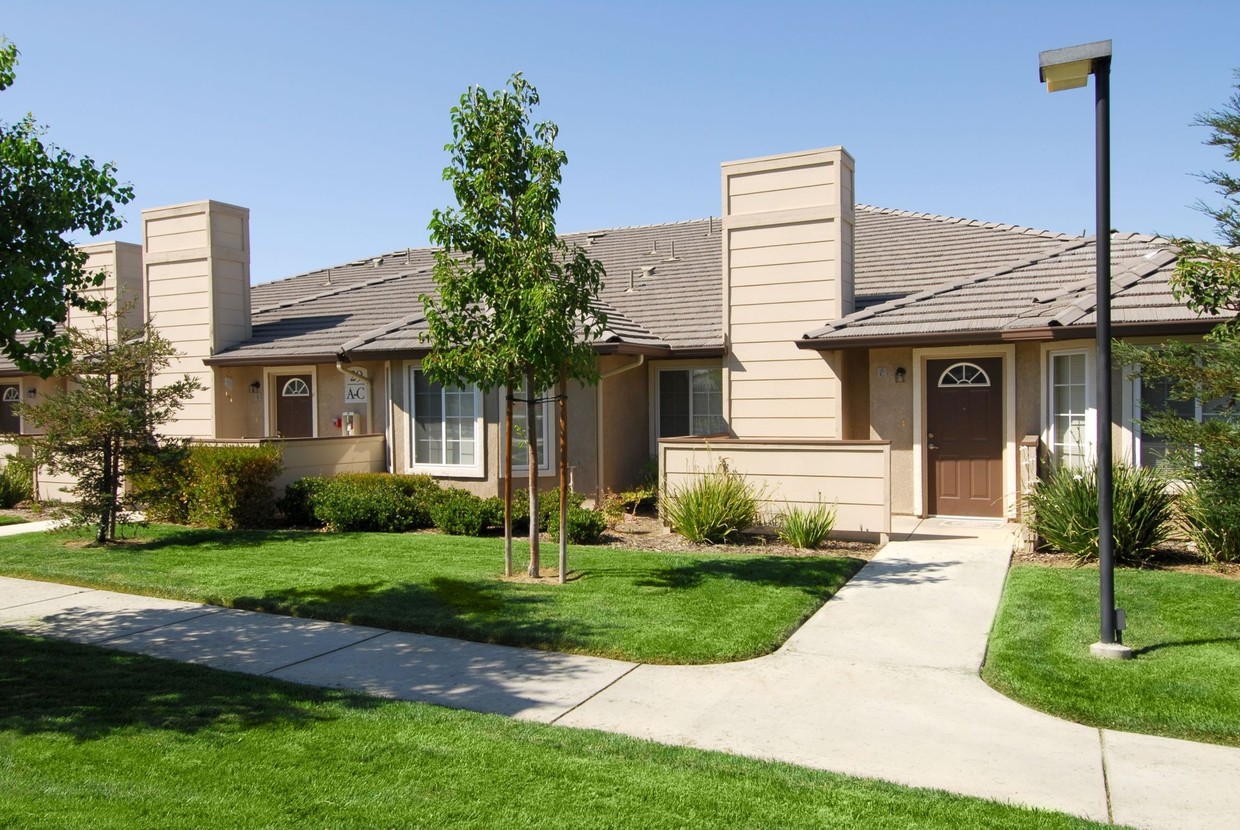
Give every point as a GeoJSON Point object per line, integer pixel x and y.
{"type": "Point", "coordinates": [934, 446]}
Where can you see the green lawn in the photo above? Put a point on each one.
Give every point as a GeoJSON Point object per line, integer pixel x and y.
{"type": "Point", "coordinates": [11, 520]}
{"type": "Point", "coordinates": [100, 739]}
{"type": "Point", "coordinates": [1185, 629]}
{"type": "Point", "coordinates": [645, 607]}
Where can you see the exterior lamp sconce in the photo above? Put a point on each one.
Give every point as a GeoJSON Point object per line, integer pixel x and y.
{"type": "Point", "coordinates": [255, 386]}
{"type": "Point", "coordinates": [31, 392]}
{"type": "Point", "coordinates": [900, 374]}
{"type": "Point", "coordinates": [1070, 68]}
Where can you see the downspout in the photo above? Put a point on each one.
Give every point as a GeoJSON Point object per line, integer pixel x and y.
{"type": "Point", "coordinates": [641, 360]}
{"type": "Point", "coordinates": [389, 429]}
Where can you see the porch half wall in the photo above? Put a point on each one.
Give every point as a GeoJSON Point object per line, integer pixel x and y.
{"type": "Point", "coordinates": [855, 476]}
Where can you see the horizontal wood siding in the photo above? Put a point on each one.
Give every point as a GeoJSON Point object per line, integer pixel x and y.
{"type": "Point", "coordinates": [785, 266]}
{"type": "Point", "coordinates": [329, 456]}
{"type": "Point", "coordinates": [855, 477]}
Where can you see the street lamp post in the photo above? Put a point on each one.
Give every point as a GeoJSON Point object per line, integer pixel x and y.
{"type": "Point", "coordinates": [1070, 68]}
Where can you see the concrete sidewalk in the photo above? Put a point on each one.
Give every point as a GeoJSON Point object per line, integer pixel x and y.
{"type": "Point", "coordinates": [882, 682]}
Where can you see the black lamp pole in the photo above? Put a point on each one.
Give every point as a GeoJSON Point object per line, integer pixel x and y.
{"type": "Point", "coordinates": [1070, 68]}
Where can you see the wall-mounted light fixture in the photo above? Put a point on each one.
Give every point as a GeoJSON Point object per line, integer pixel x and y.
{"type": "Point", "coordinates": [900, 374]}
{"type": "Point", "coordinates": [255, 386]}
{"type": "Point", "coordinates": [31, 392]}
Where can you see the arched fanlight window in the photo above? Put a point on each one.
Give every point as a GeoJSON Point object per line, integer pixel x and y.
{"type": "Point", "coordinates": [295, 388]}
{"type": "Point", "coordinates": [11, 394]}
{"type": "Point", "coordinates": [964, 374]}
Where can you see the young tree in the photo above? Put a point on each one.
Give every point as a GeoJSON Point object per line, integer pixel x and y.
{"type": "Point", "coordinates": [515, 303]}
{"type": "Point", "coordinates": [103, 425]}
{"type": "Point", "coordinates": [1207, 279]}
{"type": "Point", "coordinates": [45, 195]}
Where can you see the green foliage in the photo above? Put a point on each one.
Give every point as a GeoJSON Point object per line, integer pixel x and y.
{"type": "Point", "coordinates": [16, 481]}
{"type": "Point", "coordinates": [381, 502]}
{"type": "Point", "coordinates": [549, 508]}
{"type": "Point", "coordinates": [806, 527]}
{"type": "Point", "coordinates": [1062, 508]}
{"type": "Point", "coordinates": [102, 426]}
{"type": "Point", "coordinates": [712, 507]}
{"type": "Point", "coordinates": [47, 196]}
{"type": "Point", "coordinates": [585, 527]}
{"type": "Point", "coordinates": [164, 488]}
{"type": "Point", "coordinates": [512, 296]}
{"type": "Point", "coordinates": [297, 503]}
{"type": "Point", "coordinates": [231, 486]}
{"type": "Point", "coordinates": [646, 491]}
{"type": "Point", "coordinates": [461, 513]}
{"type": "Point", "coordinates": [1209, 514]}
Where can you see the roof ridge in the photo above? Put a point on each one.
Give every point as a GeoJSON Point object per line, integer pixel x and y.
{"type": "Point", "coordinates": [977, 223]}
{"type": "Point", "coordinates": [640, 227]}
{"type": "Point", "coordinates": [336, 289]}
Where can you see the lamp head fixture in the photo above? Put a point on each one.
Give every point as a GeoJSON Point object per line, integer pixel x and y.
{"type": "Point", "coordinates": [1070, 67]}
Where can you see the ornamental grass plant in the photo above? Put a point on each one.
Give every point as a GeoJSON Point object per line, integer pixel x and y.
{"type": "Point", "coordinates": [1062, 509]}
{"type": "Point", "coordinates": [806, 527]}
{"type": "Point", "coordinates": [713, 507]}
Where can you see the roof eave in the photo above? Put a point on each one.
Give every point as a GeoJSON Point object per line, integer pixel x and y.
{"type": "Point", "coordinates": [1032, 334]}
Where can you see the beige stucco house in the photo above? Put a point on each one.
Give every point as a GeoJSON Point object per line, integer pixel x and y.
{"type": "Point", "coordinates": [885, 361]}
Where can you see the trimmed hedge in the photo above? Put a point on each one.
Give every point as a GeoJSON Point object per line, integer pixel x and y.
{"type": "Point", "coordinates": [297, 503]}
{"type": "Point", "coordinates": [17, 482]}
{"type": "Point", "coordinates": [376, 502]}
{"type": "Point", "coordinates": [585, 527]}
{"type": "Point", "coordinates": [219, 486]}
{"type": "Point", "coordinates": [460, 513]}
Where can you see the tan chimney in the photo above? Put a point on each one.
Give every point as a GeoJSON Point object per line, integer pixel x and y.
{"type": "Point", "coordinates": [197, 263]}
{"type": "Point", "coordinates": [787, 268]}
{"type": "Point", "coordinates": [121, 263]}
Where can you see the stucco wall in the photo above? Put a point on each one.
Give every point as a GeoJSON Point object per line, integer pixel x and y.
{"type": "Point", "coordinates": [891, 419]}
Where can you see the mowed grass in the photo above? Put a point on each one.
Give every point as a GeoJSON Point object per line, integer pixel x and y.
{"type": "Point", "coordinates": [100, 739]}
{"type": "Point", "coordinates": [645, 607]}
{"type": "Point", "coordinates": [1184, 628]}
{"type": "Point", "coordinates": [11, 520]}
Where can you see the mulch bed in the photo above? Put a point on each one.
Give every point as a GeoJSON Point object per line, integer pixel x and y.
{"type": "Point", "coordinates": [647, 533]}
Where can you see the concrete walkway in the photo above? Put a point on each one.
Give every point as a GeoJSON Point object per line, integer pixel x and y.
{"type": "Point", "coordinates": [882, 682]}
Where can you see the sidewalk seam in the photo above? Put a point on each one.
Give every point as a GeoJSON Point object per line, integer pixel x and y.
{"type": "Point", "coordinates": [206, 613]}
{"type": "Point", "coordinates": [581, 703]}
{"type": "Point", "coordinates": [1106, 783]}
{"type": "Point", "coordinates": [324, 654]}
{"type": "Point", "coordinates": [49, 599]}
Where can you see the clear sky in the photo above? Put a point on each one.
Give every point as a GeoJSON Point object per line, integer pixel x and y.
{"type": "Point", "coordinates": [328, 120]}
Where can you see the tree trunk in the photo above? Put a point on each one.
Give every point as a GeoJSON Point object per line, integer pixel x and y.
{"type": "Point", "coordinates": [531, 422]}
{"type": "Point", "coordinates": [563, 396]}
{"type": "Point", "coordinates": [101, 536]}
{"type": "Point", "coordinates": [508, 481]}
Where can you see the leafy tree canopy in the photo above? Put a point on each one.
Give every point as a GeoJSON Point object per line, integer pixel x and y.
{"type": "Point", "coordinates": [513, 297]}
{"type": "Point", "coordinates": [46, 193]}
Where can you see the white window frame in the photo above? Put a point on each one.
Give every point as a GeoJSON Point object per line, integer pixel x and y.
{"type": "Point", "coordinates": [270, 373]}
{"type": "Point", "coordinates": [475, 470]}
{"type": "Point", "coordinates": [546, 449]}
{"type": "Point", "coordinates": [1090, 429]}
{"type": "Point", "coordinates": [658, 397]}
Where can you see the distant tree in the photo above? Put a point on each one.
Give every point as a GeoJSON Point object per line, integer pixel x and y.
{"type": "Point", "coordinates": [1207, 279]}
{"type": "Point", "coordinates": [45, 195]}
{"type": "Point", "coordinates": [515, 303]}
{"type": "Point", "coordinates": [103, 426]}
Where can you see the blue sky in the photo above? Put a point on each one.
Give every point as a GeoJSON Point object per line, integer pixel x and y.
{"type": "Point", "coordinates": [328, 120]}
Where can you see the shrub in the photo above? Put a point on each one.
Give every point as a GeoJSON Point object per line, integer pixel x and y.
{"type": "Point", "coordinates": [549, 507]}
{"type": "Point", "coordinates": [16, 481]}
{"type": "Point", "coordinates": [297, 503]}
{"type": "Point", "coordinates": [377, 502]}
{"type": "Point", "coordinates": [1211, 520]}
{"type": "Point", "coordinates": [1063, 509]}
{"type": "Point", "coordinates": [712, 507]}
{"type": "Point", "coordinates": [232, 486]}
{"type": "Point", "coordinates": [163, 489]}
{"type": "Point", "coordinates": [806, 527]}
{"type": "Point", "coordinates": [493, 511]}
{"type": "Point", "coordinates": [585, 527]}
{"type": "Point", "coordinates": [460, 513]}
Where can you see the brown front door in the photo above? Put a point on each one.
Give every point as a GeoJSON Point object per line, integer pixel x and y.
{"type": "Point", "coordinates": [964, 436]}
{"type": "Point", "coordinates": [294, 406]}
{"type": "Point", "coordinates": [10, 397]}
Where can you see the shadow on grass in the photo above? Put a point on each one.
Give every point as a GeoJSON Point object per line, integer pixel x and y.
{"type": "Point", "coordinates": [817, 576]}
{"type": "Point", "coordinates": [90, 693]}
{"type": "Point", "coordinates": [1211, 641]}
{"type": "Point", "coordinates": [483, 611]}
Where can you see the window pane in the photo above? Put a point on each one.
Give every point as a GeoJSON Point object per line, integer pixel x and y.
{"type": "Point", "coordinates": [1068, 405]}
{"type": "Point", "coordinates": [444, 423]}
{"type": "Point", "coordinates": [520, 435]}
{"type": "Point", "coordinates": [674, 412]}
{"type": "Point", "coordinates": [707, 401]}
